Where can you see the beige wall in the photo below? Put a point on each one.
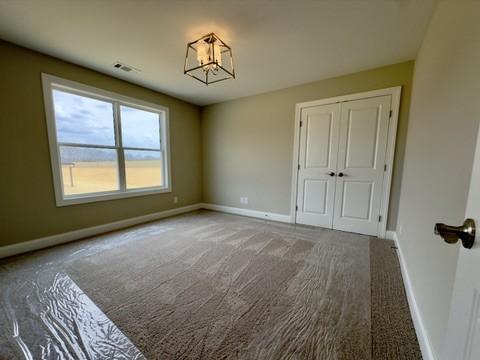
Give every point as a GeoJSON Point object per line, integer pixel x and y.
{"type": "Point", "coordinates": [442, 131]}
{"type": "Point", "coordinates": [28, 208]}
{"type": "Point", "coordinates": [248, 143]}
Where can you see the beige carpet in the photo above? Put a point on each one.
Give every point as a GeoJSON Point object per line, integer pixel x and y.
{"type": "Point", "coordinates": [214, 286]}
{"type": "Point", "coordinates": [207, 285]}
{"type": "Point", "coordinates": [393, 334]}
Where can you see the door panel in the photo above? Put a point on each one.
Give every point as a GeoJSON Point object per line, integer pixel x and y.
{"type": "Point", "coordinates": [362, 136]}
{"type": "Point", "coordinates": [315, 196]}
{"type": "Point", "coordinates": [354, 193]}
{"type": "Point", "coordinates": [361, 158]}
{"type": "Point", "coordinates": [319, 133]}
{"type": "Point", "coordinates": [317, 158]}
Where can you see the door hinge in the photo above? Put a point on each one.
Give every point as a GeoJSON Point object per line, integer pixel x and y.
{"type": "Point", "coordinates": [390, 114]}
{"type": "Point", "coordinates": [296, 208]}
{"type": "Point", "coordinates": [298, 166]}
{"type": "Point", "coordinates": [385, 167]}
{"type": "Point", "coordinates": [379, 218]}
{"type": "Point", "coordinates": [301, 123]}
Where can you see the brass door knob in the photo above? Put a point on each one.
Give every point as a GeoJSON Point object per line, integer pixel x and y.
{"type": "Point", "coordinates": [451, 234]}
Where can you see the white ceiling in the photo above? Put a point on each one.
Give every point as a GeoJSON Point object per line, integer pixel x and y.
{"type": "Point", "coordinates": [275, 44]}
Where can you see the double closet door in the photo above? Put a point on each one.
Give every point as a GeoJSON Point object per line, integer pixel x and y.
{"type": "Point", "coordinates": [342, 164]}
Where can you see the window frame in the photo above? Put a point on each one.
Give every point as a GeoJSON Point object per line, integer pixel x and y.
{"type": "Point", "coordinates": [50, 83]}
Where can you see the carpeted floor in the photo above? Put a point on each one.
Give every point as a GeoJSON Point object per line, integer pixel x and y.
{"type": "Point", "coordinates": [393, 334]}
{"type": "Point", "coordinates": [213, 286]}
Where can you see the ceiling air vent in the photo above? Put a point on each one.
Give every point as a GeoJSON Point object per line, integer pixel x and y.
{"type": "Point", "coordinates": [126, 68]}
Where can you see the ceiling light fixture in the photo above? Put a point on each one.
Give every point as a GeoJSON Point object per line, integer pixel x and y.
{"type": "Point", "coordinates": [209, 60]}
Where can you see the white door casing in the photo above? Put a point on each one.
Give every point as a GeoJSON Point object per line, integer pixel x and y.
{"type": "Point", "coordinates": [361, 158]}
{"type": "Point", "coordinates": [380, 206]}
{"type": "Point", "coordinates": [463, 333]}
{"type": "Point", "coordinates": [317, 159]}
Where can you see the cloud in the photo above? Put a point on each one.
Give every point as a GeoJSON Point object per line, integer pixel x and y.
{"type": "Point", "coordinates": [83, 120]}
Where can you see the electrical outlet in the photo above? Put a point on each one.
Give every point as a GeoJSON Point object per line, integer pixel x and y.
{"type": "Point", "coordinates": [245, 200]}
{"type": "Point", "coordinates": [175, 199]}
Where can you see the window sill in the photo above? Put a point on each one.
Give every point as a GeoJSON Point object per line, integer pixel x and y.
{"type": "Point", "coordinates": [112, 195]}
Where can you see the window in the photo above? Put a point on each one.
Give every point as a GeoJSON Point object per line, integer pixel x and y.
{"type": "Point", "coordinates": [104, 145]}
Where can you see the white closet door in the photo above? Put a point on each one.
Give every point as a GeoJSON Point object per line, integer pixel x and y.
{"type": "Point", "coordinates": [361, 161]}
{"type": "Point", "coordinates": [317, 160]}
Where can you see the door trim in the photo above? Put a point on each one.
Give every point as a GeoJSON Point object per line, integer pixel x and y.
{"type": "Point", "coordinates": [395, 93]}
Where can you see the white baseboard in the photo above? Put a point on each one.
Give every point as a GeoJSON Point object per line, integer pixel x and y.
{"type": "Point", "coordinates": [425, 347]}
{"type": "Point", "coordinates": [390, 235]}
{"type": "Point", "coordinates": [248, 212]}
{"type": "Point", "coordinates": [48, 241]}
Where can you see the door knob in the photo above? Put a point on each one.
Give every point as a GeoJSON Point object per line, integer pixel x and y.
{"type": "Point", "coordinates": [331, 173]}
{"type": "Point", "coordinates": [451, 234]}
{"type": "Point", "coordinates": [340, 174]}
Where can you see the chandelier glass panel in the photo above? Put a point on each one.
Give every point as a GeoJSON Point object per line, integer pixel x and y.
{"type": "Point", "coordinates": [209, 60]}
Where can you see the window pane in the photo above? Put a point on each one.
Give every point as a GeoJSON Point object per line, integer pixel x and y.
{"type": "Point", "coordinates": [87, 170]}
{"type": "Point", "coordinates": [82, 120]}
{"type": "Point", "coordinates": [140, 128]}
{"type": "Point", "coordinates": [143, 169]}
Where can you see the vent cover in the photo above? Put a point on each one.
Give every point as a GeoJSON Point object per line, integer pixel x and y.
{"type": "Point", "coordinates": [126, 68]}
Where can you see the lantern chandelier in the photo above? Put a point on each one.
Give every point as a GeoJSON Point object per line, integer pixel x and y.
{"type": "Point", "coordinates": [209, 60]}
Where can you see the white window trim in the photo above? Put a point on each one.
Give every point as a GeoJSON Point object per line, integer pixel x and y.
{"type": "Point", "coordinates": [50, 81]}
